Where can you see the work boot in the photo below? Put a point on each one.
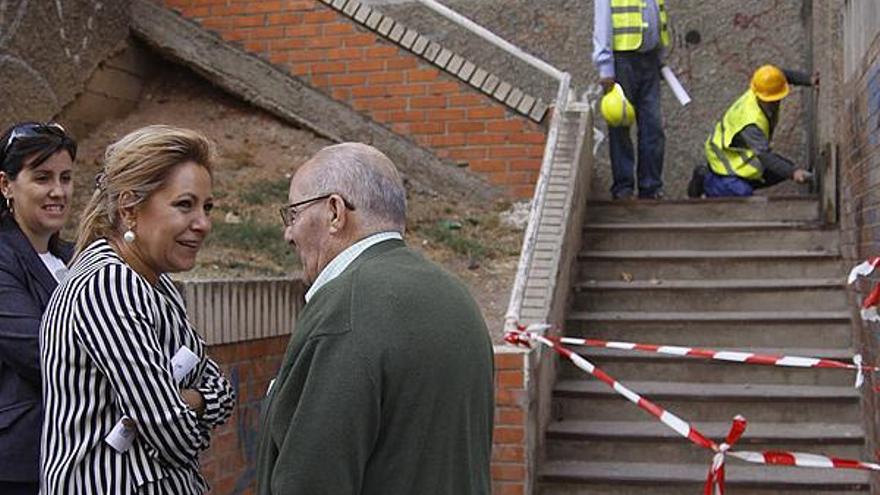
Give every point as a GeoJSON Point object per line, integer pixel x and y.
{"type": "Point", "coordinates": [695, 186]}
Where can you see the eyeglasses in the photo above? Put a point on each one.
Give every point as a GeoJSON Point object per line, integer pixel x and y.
{"type": "Point", "coordinates": [289, 211]}
{"type": "Point", "coordinates": [33, 130]}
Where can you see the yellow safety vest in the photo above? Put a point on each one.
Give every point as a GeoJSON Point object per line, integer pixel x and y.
{"type": "Point", "coordinates": [725, 159]}
{"type": "Point", "coordinates": [627, 24]}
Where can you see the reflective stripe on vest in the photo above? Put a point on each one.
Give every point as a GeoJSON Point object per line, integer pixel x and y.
{"type": "Point", "coordinates": [723, 157]}
{"type": "Point", "coordinates": [627, 24]}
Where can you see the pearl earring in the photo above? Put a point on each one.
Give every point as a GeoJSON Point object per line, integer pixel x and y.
{"type": "Point", "coordinates": [128, 236]}
{"type": "Point", "coordinates": [9, 204]}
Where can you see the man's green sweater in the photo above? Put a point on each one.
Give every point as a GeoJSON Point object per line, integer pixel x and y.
{"type": "Point", "coordinates": [385, 389]}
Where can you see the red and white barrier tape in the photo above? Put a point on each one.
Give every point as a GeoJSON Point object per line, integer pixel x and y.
{"type": "Point", "coordinates": [730, 356]}
{"type": "Point", "coordinates": [869, 309]}
{"type": "Point", "coordinates": [525, 335]}
{"type": "Point", "coordinates": [863, 269]}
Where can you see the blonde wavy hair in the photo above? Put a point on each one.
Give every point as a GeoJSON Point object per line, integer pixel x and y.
{"type": "Point", "coordinates": [138, 163]}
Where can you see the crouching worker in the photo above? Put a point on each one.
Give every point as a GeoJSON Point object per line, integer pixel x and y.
{"type": "Point", "coordinates": [738, 150]}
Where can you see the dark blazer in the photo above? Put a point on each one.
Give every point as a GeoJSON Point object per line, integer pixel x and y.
{"type": "Point", "coordinates": [25, 288]}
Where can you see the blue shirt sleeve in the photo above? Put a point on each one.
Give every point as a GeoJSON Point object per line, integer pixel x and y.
{"type": "Point", "coordinates": [603, 53]}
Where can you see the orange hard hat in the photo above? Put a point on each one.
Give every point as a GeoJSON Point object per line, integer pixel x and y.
{"type": "Point", "coordinates": [769, 83]}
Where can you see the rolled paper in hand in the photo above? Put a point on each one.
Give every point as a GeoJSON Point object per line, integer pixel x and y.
{"type": "Point", "coordinates": [675, 85]}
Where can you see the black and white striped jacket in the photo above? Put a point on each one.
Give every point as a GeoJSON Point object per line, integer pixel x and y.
{"type": "Point", "coordinates": [106, 344]}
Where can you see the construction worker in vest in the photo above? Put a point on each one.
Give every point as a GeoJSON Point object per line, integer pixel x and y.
{"type": "Point", "coordinates": [738, 150]}
{"type": "Point", "coordinates": [629, 42]}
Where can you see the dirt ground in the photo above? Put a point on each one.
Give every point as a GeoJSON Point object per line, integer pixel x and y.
{"type": "Point", "coordinates": [257, 155]}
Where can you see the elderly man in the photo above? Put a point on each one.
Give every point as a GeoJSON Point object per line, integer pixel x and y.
{"type": "Point", "coordinates": [386, 387]}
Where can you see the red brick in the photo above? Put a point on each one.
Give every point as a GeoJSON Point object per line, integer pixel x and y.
{"type": "Point", "coordinates": [508, 488]}
{"type": "Point", "coordinates": [283, 18]}
{"type": "Point", "coordinates": [299, 69]}
{"type": "Point", "coordinates": [290, 43]}
{"type": "Point", "coordinates": [365, 66]}
{"type": "Point", "coordinates": [257, 46]}
{"type": "Point", "coordinates": [302, 30]}
{"type": "Point", "coordinates": [509, 453]}
{"type": "Point", "coordinates": [368, 91]}
{"type": "Point", "coordinates": [443, 87]}
{"type": "Point", "coordinates": [249, 21]}
{"type": "Point", "coordinates": [320, 80]}
{"type": "Point", "coordinates": [343, 94]}
{"type": "Point", "coordinates": [508, 472]}
{"type": "Point", "coordinates": [359, 39]}
{"type": "Point", "coordinates": [422, 75]}
{"type": "Point", "coordinates": [466, 126]}
{"type": "Point", "coordinates": [427, 128]}
{"type": "Point", "coordinates": [307, 55]}
{"type": "Point", "coordinates": [469, 154]}
{"type": "Point", "coordinates": [196, 12]}
{"type": "Point", "coordinates": [482, 139]}
{"type": "Point", "coordinates": [447, 140]}
{"type": "Point", "coordinates": [523, 191]}
{"type": "Point", "coordinates": [488, 166]}
{"type": "Point", "coordinates": [263, 6]}
{"type": "Point", "coordinates": [267, 32]}
{"type": "Point", "coordinates": [408, 116]}
{"type": "Point", "coordinates": [504, 126]}
{"type": "Point", "coordinates": [381, 52]}
{"type": "Point", "coordinates": [325, 42]}
{"type": "Point", "coordinates": [387, 103]}
{"type": "Point", "coordinates": [220, 23]}
{"type": "Point", "coordinates": [406, 89]}
{"type": "Point", "coordinates": [400, 128]}
{"type": "Point", "coordinates": [465, 100]}
{"type": "Point", "coordinates": [486, 113]}
{"type": "Point", "coordinates": [428, 102]}
{"type": "Point", "coordinates": [509, 416]}
{"type": "Point", "coordinates": [228, 10]}
{"type": "Point", "coordinates": [385, 77]}
{"type": "Point", "coordinates": [508, 434]}
{"type": "Point", "coordinates": [509, 361]}
{"type": "Point", "coordinates": [532, 164]}
{"type": "Point", "coordinates": [328, 68]}
{"type": "Point", "coordinates": [344, 53]}
{"type": "Point", "coordinates": [235, 34]}
{"type": "Point", "coordinates": [401, 63]}
{"type": "Point", "coordinates": [529, 138]}
{"type": "Point", "coordinates": [380, 116]}
{"type": "Point", "coordinates": [340, 28]}
{"type": "Point", "coordinates": [510, 379]}
{"type": "Point", "coordinates": [319, 17]}
{"type": "Point", "coordinates": [447, 114]}
{"type": "Point", "coordinates": [347, 79]}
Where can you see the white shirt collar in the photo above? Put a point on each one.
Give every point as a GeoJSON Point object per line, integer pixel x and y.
{"type": "Point", "coordinates": [338, 264]}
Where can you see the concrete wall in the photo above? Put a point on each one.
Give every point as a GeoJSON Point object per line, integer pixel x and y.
{"type": "Point", "coordinates": [716, 47]}
{"type": "Point", "coordinates": [48, 50]}
{"type": "Point", "coordinates": [859, 124]}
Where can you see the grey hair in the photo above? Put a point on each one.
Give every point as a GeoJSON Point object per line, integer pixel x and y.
{"type": "Point", "coordinates": [366, 178]}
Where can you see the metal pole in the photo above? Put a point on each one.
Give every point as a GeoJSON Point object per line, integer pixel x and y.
{"type": "Point", "coordinates": [493, 38]}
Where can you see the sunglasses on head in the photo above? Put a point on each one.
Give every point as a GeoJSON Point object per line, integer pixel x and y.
{"type": "Point", "coordinates": [32, 130]}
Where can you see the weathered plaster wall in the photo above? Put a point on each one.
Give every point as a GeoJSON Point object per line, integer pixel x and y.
{"type": "Point", "coordinates": [716, 47]}
{"type": "Point", "coordinates": [49, 49]}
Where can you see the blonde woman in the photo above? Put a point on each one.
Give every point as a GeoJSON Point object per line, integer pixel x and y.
{"type": "Point", "coordinates": [116, 419]}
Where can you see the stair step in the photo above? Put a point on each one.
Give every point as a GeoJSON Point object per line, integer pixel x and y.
{"type": "Point", "coordinates": [808, 433]}
{"type": "Point", "coordinates": [756, 208]}
{"type": "Point", "coordinates": [713, 316]}
{"type": "Point", "coordinates": [643, 441]}
{"type": "Point", "coordinates": [715, 295]}
{"type": "Point", "coordinates": [589, 399]}
{"type": "Point", "coordinates": [709, 235]}
{"type": "Point", "coordinates": [605, 478]}
{"type": "Point", "coordinates": [817, 333]}
{"type": "Point", "coordinates": [709, 264]}
{"type": "Point", "coordinates": [636, 365]}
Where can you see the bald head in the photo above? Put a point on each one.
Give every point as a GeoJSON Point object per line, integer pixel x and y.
{"type": "Point", "coordinates": [365, 177]}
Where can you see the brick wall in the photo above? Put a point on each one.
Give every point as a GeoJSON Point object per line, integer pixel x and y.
{"type": "Point", "coordinates": [229, 463]}
{"type": "Point", "coordinates": [385, 82]}
{"type": "Point", "coordinates": [859, 116]}
{"type": "Point", "coordinates": [509, 454]}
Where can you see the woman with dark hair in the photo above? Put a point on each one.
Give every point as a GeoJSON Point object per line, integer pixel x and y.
{"type": "Point", "coordinates": [120, 418]}
{"type": "Point", "coordinates": [36, 164]}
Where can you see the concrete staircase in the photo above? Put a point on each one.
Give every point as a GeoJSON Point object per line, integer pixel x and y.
{"type": "Point", "coordinates": [756, 274]}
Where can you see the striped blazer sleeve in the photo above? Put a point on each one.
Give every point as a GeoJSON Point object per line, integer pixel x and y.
{"type": "Point", "coordinates": [218, 395]}
{"type": "Point", "coordinates": [116, 321]}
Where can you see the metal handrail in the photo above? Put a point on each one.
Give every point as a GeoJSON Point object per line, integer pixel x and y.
{"type": "Point", "coordinates": [494, 39]}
